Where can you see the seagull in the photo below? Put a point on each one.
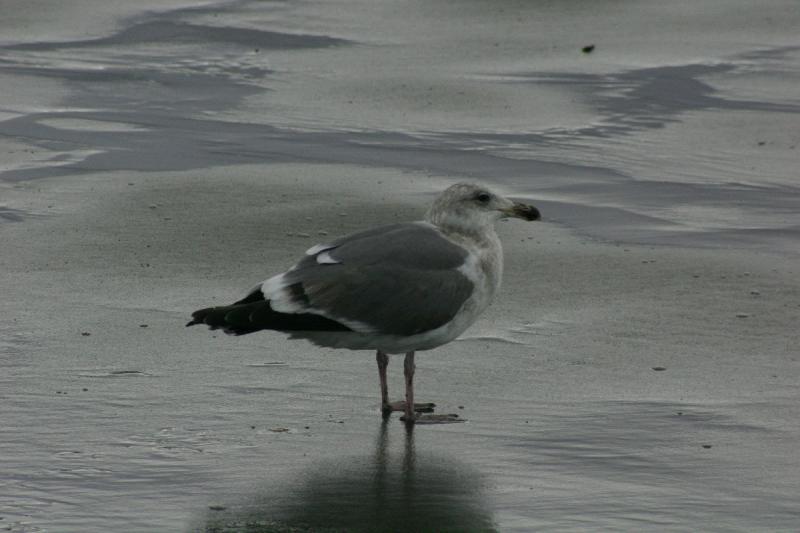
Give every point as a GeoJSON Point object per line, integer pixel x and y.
{"type": "Point", "coordinates": [395, 289]}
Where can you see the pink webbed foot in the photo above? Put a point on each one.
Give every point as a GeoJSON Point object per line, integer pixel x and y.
{"type": "Point", "coordinates": [401, 407]}
{"type": "Point", "coordinates": [422, 419]}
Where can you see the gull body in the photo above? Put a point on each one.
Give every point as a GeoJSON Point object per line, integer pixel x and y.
{"type": "Point", "coordinates": [400, 288]}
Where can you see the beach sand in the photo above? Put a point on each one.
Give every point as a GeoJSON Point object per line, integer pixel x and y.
{"type": "Point", "coordinates": [638, 370]}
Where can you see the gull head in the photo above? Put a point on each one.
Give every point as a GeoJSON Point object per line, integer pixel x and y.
{"type": "Point", "coordinates": [470, 207]}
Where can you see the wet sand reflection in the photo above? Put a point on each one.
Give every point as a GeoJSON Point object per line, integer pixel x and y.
{"type": "Point", "coordinates": [384, 492]}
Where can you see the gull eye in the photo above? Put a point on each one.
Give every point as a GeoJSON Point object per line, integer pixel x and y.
{"type": "Point", "coordinates": [483, 197]}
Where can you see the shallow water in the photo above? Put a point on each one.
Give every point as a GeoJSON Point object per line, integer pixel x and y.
{"type": "Point", "coordinates": [679, 128]}
{"type": "Point", "coordinates": [670, 133]}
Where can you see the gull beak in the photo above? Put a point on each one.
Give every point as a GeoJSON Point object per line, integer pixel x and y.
{"type": "Point", "coordinates": [523, 211]}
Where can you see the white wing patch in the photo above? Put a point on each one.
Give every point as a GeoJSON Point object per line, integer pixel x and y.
{"type": "Point", "coordinates": [279, 299]}
{"type": "Point", "coordinates": [314, 250]}
{"type": "Point", "coordinates": [325, 258]}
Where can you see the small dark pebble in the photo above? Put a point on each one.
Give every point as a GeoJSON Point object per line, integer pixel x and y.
{"type": "Point", "coordinates": [460, 406]}
{"type": "Point", "coordinates": [659, 368]}
{"type": "Point", "coordinates": [680, 413]}
{"type": "Point", "coordinates": [252, 427]}
{"type": "Point", "coordinates": [85, 333]}
{"type": "Point", "coordinates": [308, 427]}
{"type": "Point", "coordinates": [761, 143]}
{"type": "Point", "coordinates": [85, 389]}
{"type": "Point", "coordinates": [706, 446]}
{"type": "Point", "coordinates": [588, 49]}
{"type": "Point", "coordinates": [217, 507]}
{"type": "Point", "coordinates": [142, 325]}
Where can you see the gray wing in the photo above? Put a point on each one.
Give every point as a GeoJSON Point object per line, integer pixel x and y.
{"type": "Point", "coordinates": [402, 279]}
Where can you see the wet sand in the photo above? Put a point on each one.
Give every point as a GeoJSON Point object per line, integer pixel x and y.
{"type": "Point", "coordinates": [570, 421]}
{"type": "Point", "coordinates": [638, 371]}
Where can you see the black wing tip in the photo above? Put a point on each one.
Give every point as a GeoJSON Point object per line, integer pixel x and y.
{"type": "Point", "coordinates": [195, 322]}
{"type": "Point", "coordinates": [254, 313]}
{"type": "Point", "coordinates": [199, 317]}
{"type": "Point", "coordinates": [253, 296]}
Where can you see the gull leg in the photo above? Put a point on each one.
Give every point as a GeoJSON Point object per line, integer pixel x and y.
{"type": "Point", "coordinates": [383, 362]}
{"type": "Point", "coordinates": [386, 406]}
{"type": "Point", "coordinates": [408, 372]}
{"type": "Point", "coordinates": [410, 417]}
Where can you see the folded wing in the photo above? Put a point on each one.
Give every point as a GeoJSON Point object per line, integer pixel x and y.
{"type": "Point", "coordinates": [402, 279]}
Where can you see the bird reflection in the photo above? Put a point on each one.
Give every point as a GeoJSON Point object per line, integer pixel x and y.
{"type": "Point", "coordinates": [377, 493]}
